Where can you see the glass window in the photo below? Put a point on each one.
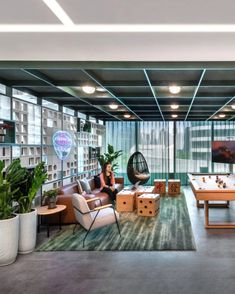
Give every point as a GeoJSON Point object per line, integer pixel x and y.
{"type": "Point", "coordinates": [24, 96]}
{"type": "Point", "coordinates": [50, 105]}
{"type": "Point", "coordinates": [68, 111]}
{"type": "Point", "coordinates": [3, 89]}
{"type": "Point", "coordinates": [5, 107]}
{"type": "Point", "coordinates": [92, 119]}
{"type": "Point", "coordinates": [81, 115]}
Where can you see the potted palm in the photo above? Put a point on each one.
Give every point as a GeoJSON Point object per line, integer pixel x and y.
{"type": "Point", "coordinates": [50, 198]}
{"type": "Point", "coordinates": [9, 221]}
{"type": "Point", "coordinates": [27, 215]}
{"type": "Point", "coordinates": [111, 157]}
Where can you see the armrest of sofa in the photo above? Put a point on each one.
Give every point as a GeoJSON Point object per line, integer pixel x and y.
{"type": "Point", "coordinates": [119, 180]}
{"type": "Point", "coordinates": [68, 214]}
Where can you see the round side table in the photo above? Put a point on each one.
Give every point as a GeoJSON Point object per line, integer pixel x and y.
{"type": "Point", "coordinates": [44, 211]}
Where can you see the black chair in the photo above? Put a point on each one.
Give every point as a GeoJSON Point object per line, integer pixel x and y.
{"type": "Point", "coordinates": [137, 169]}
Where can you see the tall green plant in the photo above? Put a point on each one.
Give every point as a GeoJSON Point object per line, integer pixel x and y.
{"type": "Point", "coordinates": [29, 189]}
{"type": "Point", "coordinates": [110, 156]}
{"type": "Point", "coordinates": [9, 187]}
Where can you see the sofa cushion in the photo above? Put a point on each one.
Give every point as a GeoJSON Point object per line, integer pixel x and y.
{"type": "Point", "coordinates": [97, 181]}
{"type": "Point", "coordinates": [85, 186]}
{"type": "Point", "coordinates": [80, 190]}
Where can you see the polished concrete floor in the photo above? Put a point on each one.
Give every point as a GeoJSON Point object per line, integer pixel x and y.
{"type": "Point", "coordinates": [210, 269]}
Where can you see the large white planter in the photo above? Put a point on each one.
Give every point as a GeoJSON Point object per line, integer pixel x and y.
{"type": "Point", "coordinates": [27, 232]}
{"type": "Point", "coordinates": [9, 239]}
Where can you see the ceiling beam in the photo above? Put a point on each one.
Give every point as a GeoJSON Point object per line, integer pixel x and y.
{"type": "Point", "coordinates": [27, 83]}
{"type": "Point", "coordinates": [122, 84]}
{"type": "Point", "coordinates": [59, 95]}
{"type": "Point", "coordinates": [159, 65]}
{"type": "Point", "coordinates": [153, 92]}
{"type": "Point", "coordinates": [195, 93]}
{"type": "Point", "coordinates": [97, 81]}
{"type": "Point", "coordinates": [39, 75]}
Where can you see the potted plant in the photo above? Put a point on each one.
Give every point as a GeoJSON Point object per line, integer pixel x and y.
{"type": "Point", "coordinates": [50, 198]}
{"type": "Point", "coordinates": [9, 221]}
{"type": "Point", "coordinates": [28, 216]}
{"type": "Point", "coordinates": [111, 157]}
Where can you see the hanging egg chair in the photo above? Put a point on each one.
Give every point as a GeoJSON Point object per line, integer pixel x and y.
{"type": "Point", "coordinates": [137, 169]}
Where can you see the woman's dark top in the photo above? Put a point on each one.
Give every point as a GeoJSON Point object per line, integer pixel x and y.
{"type": "Point", "coordinates": [108, 180]}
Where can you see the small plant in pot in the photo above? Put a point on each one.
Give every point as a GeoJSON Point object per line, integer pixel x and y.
{"type": "Point", "coordinates": [28, 217]}
{"type": "Point", "coordinates": [9, 221]}
{"type": "Point", "coordinates": [50, 198]}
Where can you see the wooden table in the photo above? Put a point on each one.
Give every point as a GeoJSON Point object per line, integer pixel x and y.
{"type": "Point", "coordinates": [44, 211]}
{"type": "Point", "coordinates": [206, 189]}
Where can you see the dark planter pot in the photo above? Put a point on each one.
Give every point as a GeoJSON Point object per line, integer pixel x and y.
{"type": "Point", "coordinates": [51, 202]}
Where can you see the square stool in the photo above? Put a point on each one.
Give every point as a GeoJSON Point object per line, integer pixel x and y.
{"type": "Point", "coordinates": [143, 190]}
{"type": "Point", "coordinates": [148, 204]}
{"type": "Point", "coordinates": [173, 187]}
{"type": "Point", "coordinates": [160, 186]}
{"type": "Point", "coordinates": [125, 201]}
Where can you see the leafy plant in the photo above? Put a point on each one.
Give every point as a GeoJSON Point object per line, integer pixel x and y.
{"type": "Point", "coordinates": [9, 187]}
{"type": "Point", "coordinates": [28, 190]}
{"type": "Point", "coordinates": [110, 156]}
{"type": "Point", "coordinates": [51, 193]}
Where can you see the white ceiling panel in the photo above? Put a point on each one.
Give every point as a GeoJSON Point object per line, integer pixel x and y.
{"type": "Point", "coordinates": [26, 12]}
{"type": "Point", "coordinates": [117, 47]}
{"type": "Point", "coordinates": [150, 11]}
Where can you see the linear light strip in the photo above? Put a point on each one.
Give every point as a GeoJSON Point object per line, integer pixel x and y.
{"type": "Point", "coordinates": [59, 12]}
{"type": "Point", "coordinates": [153, 92]}
{"type": "Point", "coordinates": [195, 93]}
{"type": "Point", "coordinates": [230, 100]}
{"type": "Point", "coordinates": [118, 28]}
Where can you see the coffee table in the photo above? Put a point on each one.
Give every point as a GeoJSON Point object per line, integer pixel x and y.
{"type": "Point", "coordinates": [44, 211]}
{"type": "Point", "coordinates": [143, 190]}
{"type": "Point", "coordinates": [127, 198]}
{"type": "Point", "coordinates": [125, 201]}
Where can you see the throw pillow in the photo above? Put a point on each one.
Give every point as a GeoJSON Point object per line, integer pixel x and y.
{"type": "Point", "coordinates": [80, 190]}
{"type": "Point", "coordinates": [85, 186]}
{"type": "Point", "coordinates": [97, 181]}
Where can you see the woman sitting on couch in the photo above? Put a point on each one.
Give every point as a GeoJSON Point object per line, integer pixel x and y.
{"type": "Point", "coordinates": [107, 181]}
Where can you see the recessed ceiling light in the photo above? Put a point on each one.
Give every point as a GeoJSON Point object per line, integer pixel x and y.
{"type": "Point", "coordinates": [113, 106]}
{"type": "Point", "coordinates": [88, 89]}
{"type": "Point", "coordinates": [127, 115]}
{"type": "Point", "coordinates": [174, 115]}
{"type": "Point", "coordinates": [174, 106]}
{"type": "Point", "coordinates": [59, 12]}
{"type": "Point", "coordinates": [222, 115]}
{"type": "Point", "coordinates": [174, 89]}
{"type": "Point", "coordinates": [100, 89]}
{"type": "Point", "coordinates": [233, 106]}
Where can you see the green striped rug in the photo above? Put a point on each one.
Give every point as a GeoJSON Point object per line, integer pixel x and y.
{"type": "Point", "coordinates": [169, 230]}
